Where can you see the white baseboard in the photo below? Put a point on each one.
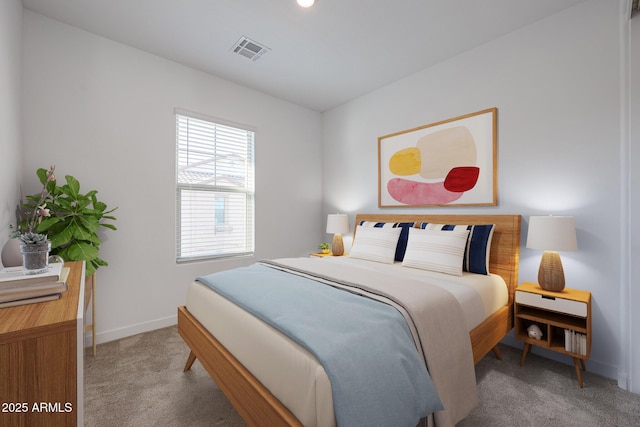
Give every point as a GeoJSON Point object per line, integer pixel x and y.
{"type": "Point", "coordinates": [116, 334]}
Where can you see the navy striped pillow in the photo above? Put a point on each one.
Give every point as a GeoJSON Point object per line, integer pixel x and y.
{"type": "Point", "coordinates": [404, 234]}
{"type": "Point", "coordinates": [477, 251]}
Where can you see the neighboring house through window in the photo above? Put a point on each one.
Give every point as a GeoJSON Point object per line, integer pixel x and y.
{"type": "Point", "coordinates": [214, 188]}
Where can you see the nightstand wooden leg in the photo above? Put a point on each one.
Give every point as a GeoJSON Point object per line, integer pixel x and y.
{"type": "Point", "coordinates": [496, 351]}
{"type": "Point", "coordinates": [190, 360]}
{"type": "Point", "coordinates": [525, 350]}
{"type": "Point", "coordinates": [578, 372]}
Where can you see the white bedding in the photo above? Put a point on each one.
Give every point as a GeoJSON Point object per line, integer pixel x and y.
{"type": "Point", "coordinates": [479, 295]}
{"type": "Point", "coordinates": [293, 374]}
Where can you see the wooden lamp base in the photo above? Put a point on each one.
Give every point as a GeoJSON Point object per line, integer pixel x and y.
{"type": "Point", "coordinates": [550, 273]}
{"type": "Point", "coordinates": [337, 247]}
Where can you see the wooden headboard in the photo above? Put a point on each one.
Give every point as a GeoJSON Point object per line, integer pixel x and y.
{"type": "Point", "coordinates": [505, 244]}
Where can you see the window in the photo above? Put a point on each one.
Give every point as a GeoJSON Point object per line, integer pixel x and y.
{"type": "Point", "coordinates": [214, 188]}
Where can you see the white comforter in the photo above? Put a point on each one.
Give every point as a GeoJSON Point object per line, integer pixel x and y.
{"type": "Point", "coordinates": [292, 373]}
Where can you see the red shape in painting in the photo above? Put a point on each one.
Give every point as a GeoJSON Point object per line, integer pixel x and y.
{"type": "Point", "coordinates": [420, 193]}
{"type": "Point", "coordinates": [462, 178]}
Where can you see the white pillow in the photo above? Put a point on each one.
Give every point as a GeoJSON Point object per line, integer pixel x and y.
{"type": "Point", "coordinates": [375, 244]}
{"type": "Point", "coordinates": [432, 250]}
{"type": "Point", "coordinates": [476, 255]}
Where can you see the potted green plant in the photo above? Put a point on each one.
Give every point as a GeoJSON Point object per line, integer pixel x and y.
{"type": "Point", "coordinates": [35, 246]}
{"type": "Point", "coordinates": [72, 219]}
{"type": "Point", "coordinates": [324, 248]}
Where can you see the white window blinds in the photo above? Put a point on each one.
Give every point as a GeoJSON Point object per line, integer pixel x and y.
{"type": "Point", "coordinates": [214, 189]}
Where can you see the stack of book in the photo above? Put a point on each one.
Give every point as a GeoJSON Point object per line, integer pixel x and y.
{"type": "Point", "coordinates": [17, 288]}
{"type": "Point", "coordinates": [575, 342]}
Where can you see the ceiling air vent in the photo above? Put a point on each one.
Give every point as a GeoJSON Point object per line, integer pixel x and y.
{"type": "Point", "coordinates": [249, 48]}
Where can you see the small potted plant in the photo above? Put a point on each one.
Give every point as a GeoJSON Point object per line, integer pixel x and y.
{"type": "Point", "coordinates": [324, 248]}
{"type": "Point", "coordinates": [34, 248]}
{"type": "Point", "coordinates": [34, 245]}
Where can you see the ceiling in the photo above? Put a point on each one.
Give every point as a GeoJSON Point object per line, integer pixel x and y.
{"type": "Point", "coordinates": [319, 57]}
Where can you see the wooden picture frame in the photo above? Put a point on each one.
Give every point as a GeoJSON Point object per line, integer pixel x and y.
{"type": "Point", "coordinates": [448, 163]}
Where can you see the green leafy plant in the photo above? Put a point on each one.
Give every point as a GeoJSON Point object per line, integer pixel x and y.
{"type": "Point", "coordinates": [72, 219]}
{"type": "Point", "coordinates": [324, 246]}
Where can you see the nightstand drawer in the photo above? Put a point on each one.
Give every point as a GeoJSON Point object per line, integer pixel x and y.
{"type": "Point", "coordinates": [559, 305]}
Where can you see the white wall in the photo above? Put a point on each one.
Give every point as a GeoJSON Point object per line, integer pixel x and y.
{"type": "Point", "coordinates": [10, 153]}
{"type": "Point", "coordinates": [104, 113]}
{"type": "Point", "coordinates": [556, 86]}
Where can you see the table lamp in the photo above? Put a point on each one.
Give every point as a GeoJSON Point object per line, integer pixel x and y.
{"type": "Point", "coordinates": [337, 224]}
{"type": "Point", "coordinates": [551, 234]}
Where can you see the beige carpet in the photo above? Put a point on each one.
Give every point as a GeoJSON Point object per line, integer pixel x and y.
{"type": "Point", "coordinates": [138, 381]}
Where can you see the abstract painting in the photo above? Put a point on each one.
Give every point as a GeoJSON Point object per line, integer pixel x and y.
{"type": "Point", "coordinates": [448, 163]}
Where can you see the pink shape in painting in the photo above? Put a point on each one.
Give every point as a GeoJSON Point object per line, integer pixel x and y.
{"type": "Point", "coordinates": [420, 193]}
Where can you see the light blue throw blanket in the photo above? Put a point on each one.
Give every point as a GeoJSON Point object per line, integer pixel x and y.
{"type": "Point", "coordinates": [365, 346]}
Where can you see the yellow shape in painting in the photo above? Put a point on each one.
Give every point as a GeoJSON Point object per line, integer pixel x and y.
{"type": "Point", "coordinates": [405, 162]}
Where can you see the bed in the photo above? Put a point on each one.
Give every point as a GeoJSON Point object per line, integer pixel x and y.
{"type": "Point", "coordinates": [259, 399]}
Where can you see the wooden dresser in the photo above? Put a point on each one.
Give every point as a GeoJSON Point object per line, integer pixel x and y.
{"type": "Point", "coordinates": [41, 359]}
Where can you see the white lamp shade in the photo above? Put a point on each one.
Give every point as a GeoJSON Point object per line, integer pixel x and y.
{"type": "Point", "coordinates": [337, 223]}
{"type": "Point", "coordinates": [305, 3]}
{"type": "Point", "coordinates": [552, 233]}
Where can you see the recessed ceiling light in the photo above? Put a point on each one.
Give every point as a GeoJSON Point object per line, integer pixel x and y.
{"type": "Point", "coordinates": [306, 3]}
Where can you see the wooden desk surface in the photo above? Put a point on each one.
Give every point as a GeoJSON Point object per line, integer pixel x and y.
{"type": "Point", "coordinates": [21, 321]}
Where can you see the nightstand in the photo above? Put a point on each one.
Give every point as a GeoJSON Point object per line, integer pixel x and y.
{"type": "Point", "coordinates": [321, 255]}
{"type": "Point", "coordinates": [563, 317]}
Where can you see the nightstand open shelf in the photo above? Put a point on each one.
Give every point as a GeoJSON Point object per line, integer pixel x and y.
{"type": "Point", "coordinates": [563, 317]}
{"type": "Point", "coordinates": [553, 326]}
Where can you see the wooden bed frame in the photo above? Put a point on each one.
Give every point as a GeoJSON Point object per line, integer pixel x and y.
{"type": "Point", "coordinates": [258, 407]}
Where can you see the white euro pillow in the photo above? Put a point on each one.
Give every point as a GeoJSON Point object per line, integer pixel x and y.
{"type": "Point", "coordinates": [440, 251]}
{"type": "Point", "coordinates": [375, 244]}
